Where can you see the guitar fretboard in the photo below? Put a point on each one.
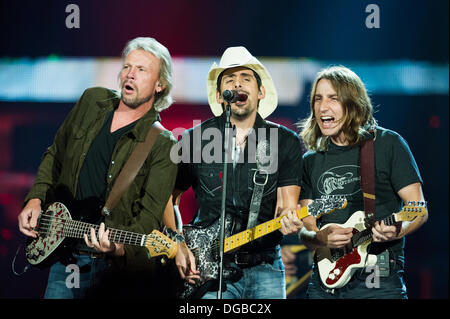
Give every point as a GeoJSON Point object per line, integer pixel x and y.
{"type": "Point", "coordinates": [366, 234]}
{"type": "Point", "coordinates": [76, 229]}
{"type": "Point", "coordinates": [246, 236]}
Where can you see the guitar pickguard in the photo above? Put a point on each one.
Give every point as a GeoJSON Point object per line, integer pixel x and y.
{"type": "Point", "coordinates": [50, 234]}
{"type": "Point", "coordinates": [336, 266]}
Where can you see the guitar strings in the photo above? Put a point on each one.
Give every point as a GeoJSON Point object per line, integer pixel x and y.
{"type": "Point", "coordinates": [74, 228]}
{"type": "Point", "coordinates": [242, 238]}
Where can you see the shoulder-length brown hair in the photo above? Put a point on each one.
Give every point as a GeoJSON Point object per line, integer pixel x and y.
{"type": "Point", "coordinates": [357, 106]}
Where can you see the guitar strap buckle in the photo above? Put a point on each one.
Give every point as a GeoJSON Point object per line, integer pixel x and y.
{"type": "Point", "coordinates": [106, 211]}
{"type": "Point", "coordinates": [261, 173]}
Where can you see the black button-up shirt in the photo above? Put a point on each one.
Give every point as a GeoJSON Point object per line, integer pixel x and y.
{"type": "Point", "coordinates": [201, 167]}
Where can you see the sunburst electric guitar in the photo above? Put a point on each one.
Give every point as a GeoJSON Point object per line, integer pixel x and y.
{"type": "Point", "coordinates": [56, 227]}
{"type": "Point", "coordinates": [336, 266]}
{"type": "Point", "coordinates": [204, 244]}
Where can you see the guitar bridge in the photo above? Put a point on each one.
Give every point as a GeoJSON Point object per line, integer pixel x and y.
{"type": "Point", "coordinates": [43, 225]}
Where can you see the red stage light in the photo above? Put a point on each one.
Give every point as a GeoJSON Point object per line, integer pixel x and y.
{"type": "Point", "coordinates": [435, 121]}
{"type": "Point", "coordinates": [6, 234]}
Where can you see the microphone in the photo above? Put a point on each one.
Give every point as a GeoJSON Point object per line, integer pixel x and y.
{"type": "Point", "coordinates": [232, 96]}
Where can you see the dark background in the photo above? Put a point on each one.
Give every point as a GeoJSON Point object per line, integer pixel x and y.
{"type": "Point", "coordinates": [320, 30]}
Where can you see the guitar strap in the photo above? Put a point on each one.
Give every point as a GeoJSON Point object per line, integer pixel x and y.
{"type": "Point", "coordinates": [368, 188]}
{"type": "Point", "coordinates": [132, 167]}
{"type": "Point", "coordinates": [260, 178]}
{"type": "Point", "coordinates": [259, 181]}
{"type": "Point", "coordinates": [367, 168]}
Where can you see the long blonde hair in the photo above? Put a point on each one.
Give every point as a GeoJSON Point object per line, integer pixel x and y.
{"type": "Point", "coordinates": [356, 103]}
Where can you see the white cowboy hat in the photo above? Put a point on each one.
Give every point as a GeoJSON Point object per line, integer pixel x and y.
{"type": "Point", "coordinates": [235, 57]}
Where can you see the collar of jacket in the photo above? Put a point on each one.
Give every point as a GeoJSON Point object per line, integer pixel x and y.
{"type": "Point", "coordinates": [143, 124]}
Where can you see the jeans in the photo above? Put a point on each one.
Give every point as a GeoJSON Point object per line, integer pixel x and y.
{"type": "Point", "coordinates": [391, 287]}
{"type": "Point", "coordinates": [74, 282]}
{"type": "Point", "coordinates": [264, 281]}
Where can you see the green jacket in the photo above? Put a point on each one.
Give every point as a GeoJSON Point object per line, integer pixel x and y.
{"type": "Point", "coordinates": [141, 207]}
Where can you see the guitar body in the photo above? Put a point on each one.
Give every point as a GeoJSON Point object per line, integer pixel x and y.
{"type": "Point", "coordinates": [59, 234]}
{"type": "Point", "coordinates": [204, 244]}
{"type": "Point", "coordinates": [337, 266]}
{"type": "Point", "coordinates": [38, 250]}
{"type": "Point", "coordinates": [52, 245]}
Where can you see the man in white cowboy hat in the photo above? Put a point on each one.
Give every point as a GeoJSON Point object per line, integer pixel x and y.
{"type": "Point", "coordinates": [259, 265]}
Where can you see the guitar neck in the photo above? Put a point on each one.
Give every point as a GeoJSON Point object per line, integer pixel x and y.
{"type": "Point", "coordinates": [366, 234]}
{"type": "Point", "coordinates": [390, 220]}
{"type": "Point", "coordinates": [76, 229]}
{"type": "Point", "coordinates": [246, 236]}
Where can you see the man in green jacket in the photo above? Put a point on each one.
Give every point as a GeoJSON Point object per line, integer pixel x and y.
{"type": "Point", "coordinates": [87, 155]}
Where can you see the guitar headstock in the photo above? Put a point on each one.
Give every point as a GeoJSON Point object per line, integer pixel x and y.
{"type": "Point", "coordinates": [411, 211]}
{"type": "Point", "coordinates": [159, 244]}
{"type": "Point", "coordinates": [326, 205]}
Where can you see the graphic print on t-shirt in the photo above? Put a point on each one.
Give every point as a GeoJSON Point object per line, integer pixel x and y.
{"type": "Point", "coordinates": [341, 180]}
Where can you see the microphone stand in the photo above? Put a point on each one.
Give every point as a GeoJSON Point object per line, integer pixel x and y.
{"type": "Point", "coordinates": [224, 195]}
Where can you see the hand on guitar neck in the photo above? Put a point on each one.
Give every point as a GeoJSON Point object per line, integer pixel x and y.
{"type": "Point", "coordinates": [382, 232]}
{"type": "Point", "coordinates": [290, 221]}
{"type": "Point", "coordinates": [103, 244]}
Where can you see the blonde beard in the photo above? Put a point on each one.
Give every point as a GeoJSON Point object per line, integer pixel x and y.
{"type": "Point", "coordinates": [135, 102]}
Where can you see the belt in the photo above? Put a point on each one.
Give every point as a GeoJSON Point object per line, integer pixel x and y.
{"type": "Point", "coordinates": [92, 254]}
{"type": "Point", "coordinates": [247, 259]}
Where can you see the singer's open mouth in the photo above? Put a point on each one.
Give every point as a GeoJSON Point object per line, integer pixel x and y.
{"type": "Point", "coordinates": [242, 98]}
{"type": "Point", "coordinates": [128, 88]}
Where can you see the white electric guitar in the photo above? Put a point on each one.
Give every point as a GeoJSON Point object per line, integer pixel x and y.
{"type": "Point", "coordinates": [336, 266]}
